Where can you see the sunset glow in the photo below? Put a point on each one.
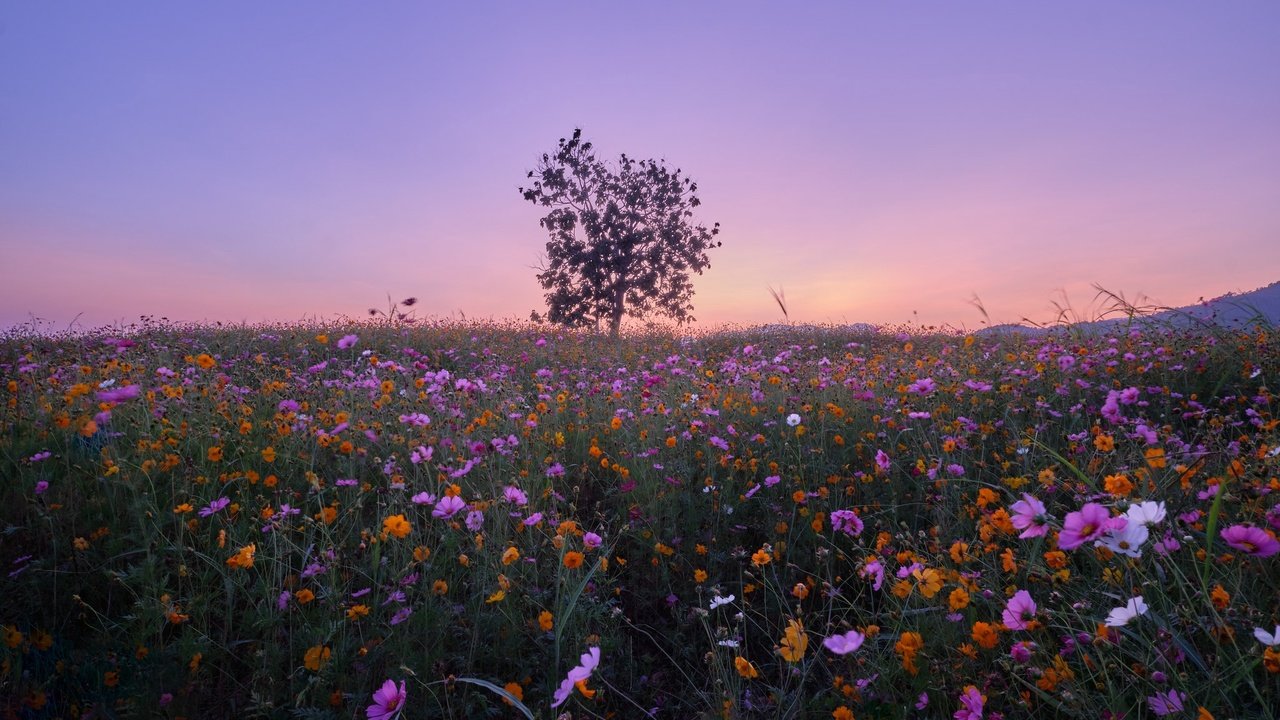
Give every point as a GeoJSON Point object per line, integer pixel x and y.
{"type": "Point", "coordinates": [879, 164]}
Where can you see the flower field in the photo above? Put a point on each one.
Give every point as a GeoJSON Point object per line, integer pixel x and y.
{"type": "Point", "coordinates": [470, 520]}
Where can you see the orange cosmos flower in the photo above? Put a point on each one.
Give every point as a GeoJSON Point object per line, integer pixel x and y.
{"type": "Point", "coordinates": [396, 525]}
{"type": "Point", "coordinates": [794, 642]}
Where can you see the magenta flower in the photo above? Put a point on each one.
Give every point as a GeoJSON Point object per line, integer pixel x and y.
{"type": "Point", "coordinates": [1166, 703]}
{"type": "Point", "coordinates": [846, 521]}
{"type": "Point", "coordinates": [449, 506]}
{"type": "Point", "coordinates": [1020, 611]}
{"type": "Point", "coordinates": [1089, 523]}
{"type": "Point", "coordinates": [515, 495]}
{"type": "Point", "coordinates": [874, 572]}
{"type": "Point", "coordinates": [1251, 540]}
{"type": "Point", "coordinates": [387, 701]}
{"type": "Point", "coordinates": [348, 341]}
{"type": "Point", "coordinates": [844, 644]}
{"type": "Point", "coordinates": [589, 661]}
{"type": "Point", "coordinates": [1029, 517]}
{"type": "Point", "coordinates": [214, 507]}
{"type": "Point", "coordinates": [971, 702]}
{"type": "Point", "coordinates": [120, 394]}
{"type": "Point", "coordinates": [591, 541]}
{"type": "Point", "coordinates": [882, 461]}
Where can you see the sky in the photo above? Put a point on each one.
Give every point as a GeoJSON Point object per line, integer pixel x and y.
{"type": "Point", "coordinates": [878, 162]}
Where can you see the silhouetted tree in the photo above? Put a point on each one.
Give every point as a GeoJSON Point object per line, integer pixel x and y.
{"type": "Point", "coordinates": [623, 240]}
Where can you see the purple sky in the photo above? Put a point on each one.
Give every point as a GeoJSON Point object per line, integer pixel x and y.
{"type": "Point", "coordinates": [880, 162]}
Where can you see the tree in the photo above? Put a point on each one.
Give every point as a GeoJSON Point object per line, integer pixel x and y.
{"type": "Point", "coordinates": [623, 240]}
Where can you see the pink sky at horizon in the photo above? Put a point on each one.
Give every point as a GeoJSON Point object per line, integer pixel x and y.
{"type": "Point", "coordinates": [880, 165]}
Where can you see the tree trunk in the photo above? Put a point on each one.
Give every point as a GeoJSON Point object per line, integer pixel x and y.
{"type": "Point", "coordinates": [615, 313]}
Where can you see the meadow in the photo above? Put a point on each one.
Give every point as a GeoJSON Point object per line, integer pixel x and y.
{"type": "Point", "coordinates": [471, 520]}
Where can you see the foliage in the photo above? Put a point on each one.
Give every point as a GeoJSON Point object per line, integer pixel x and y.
{"type": "Point", "coordinates": [273, 521]}
{"type": "Point", "coordinates": [622, 239]}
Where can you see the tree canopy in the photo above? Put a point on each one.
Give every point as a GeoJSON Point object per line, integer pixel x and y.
{"type": "Point", "coordinates": [622, 237]}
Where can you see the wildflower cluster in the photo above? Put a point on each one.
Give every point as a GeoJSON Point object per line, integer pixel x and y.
{"type": "Point", "coordinates": [417, 520]}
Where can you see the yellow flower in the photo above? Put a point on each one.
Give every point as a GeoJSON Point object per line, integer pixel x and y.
{"type": "Point", "coordinates": [355, 612]}
{"type": "Point", "coordinates": [745, 668]}
{"type": "Point", "coordinates": [1104, 443]}
{"type": "Point", "coordinates": [985, 635]}
{"type": "Point", "coordinates": [699, 576]}
{"type": "Point", "coordinates": [1118, 485]}
{"type": "Point", "coordinates": [304, 596]}
{"type": "Point", "coordinates": [514, 690]}
{"type": "Point", "coordinates": [928, 580]}
{"type": "Point", "coordinates": [243, 559]}
{"type": "Point", "coordinates": [215, 454]}
{"type": "Point", "coordinates": [440, 587]}
{"type": "Point", "coordinates": [546, 621]}
{"type": "Point", "coordinates": [573, 559]}
{"type": "Point", "coordinates": [12, 637]}
{"type": "Point", "coordinates": [510, 555]}
{"type": "Point", "coordinates": [268, 454]}
{"type": "Point", "coordinates": [958, 600]}
{"type": "Point", "coordinates": [794, 642]}
{"type": "Point", "coordinates": [316, 657]}
{"type": "Point", "coordinates": [1155, 458]}
{"type": "Point", "coordinates": [761, 557]}
{"type": "Point", "coordinates": [205, 361]}
{"type": "Point", "coordinates": [909, 643]}
{"type": "Point", "coordinates": [396, 525]}
{"type": "Point", "coordinates": [498, 596]}
{"type": "Point", "coordinates": [842, 713]}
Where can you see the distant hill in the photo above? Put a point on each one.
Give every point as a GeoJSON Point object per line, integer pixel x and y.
{"type": "Point", "coordinates": [1233, 310]}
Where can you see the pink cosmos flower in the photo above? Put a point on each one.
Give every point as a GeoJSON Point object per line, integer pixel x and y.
{"type": "Point", "coordinates": [1251, 540]}
{"type": "Point", "coordinates": [515, 495]}
{"type": "Point", "coordinates": [971, 702]}
{"type": "Point", "coordinates": [846, 521]}
{"type": "Point", "coordinates": [449, 506]}
{"type": "Point", "coordinates": [1029, 516]}
{"type": "Point", "coordinates": [1020, 611]}
{"type": "Point", "coordinates": [882, 461]}
{"type": "Point", "coordinates": [387, 701]}
{"type": "Point", "coordinates": [591, 541]}
{"type": "Point", "coordinates": [348, 341]}
{"type": "Point", "coordinates": [120, 394]}
{"type": "Point", "coordinates": [1166, 703]}
{"type": "Point", "coordinates": [844, 644]}
{"type": "Point", "coordinates": [1266, 638]}
{"type": "Point", "coordinates": [873, 571]}
{"type": "Point", "coordinates": [1089, 523]}
{"type": "Point", "coordinates": [588, 662]}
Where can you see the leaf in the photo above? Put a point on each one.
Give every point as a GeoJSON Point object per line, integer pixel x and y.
{"type": "Point", "coordinates": [499, 691]}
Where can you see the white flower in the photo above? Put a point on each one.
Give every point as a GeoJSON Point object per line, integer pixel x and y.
{"type": "Point", "coordinates": [793, 419]}
{"type": "Point", "coordinates": [717, 601]}
{"type": "Point", "coordinates": [728, 643]}
{"type": "Point", "coordinates": [1266, 638]}
{"type": "Point", "coordinates": [1121, 616]}
{"type": "Point", "coordinates": [1145, 513]}
{"type": "Point", "coordinates": [1126, 541]}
